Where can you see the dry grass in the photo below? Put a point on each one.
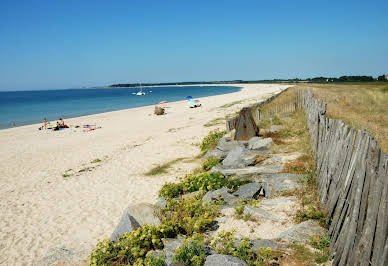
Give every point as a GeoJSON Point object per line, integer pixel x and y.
{"type": "Point", "coordinates": [362, 106]}
{"type": "Point", "coordinates": [163, 169]}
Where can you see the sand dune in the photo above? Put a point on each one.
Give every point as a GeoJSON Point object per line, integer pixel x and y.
{"type": "Point", "coordinates": [41, 209]}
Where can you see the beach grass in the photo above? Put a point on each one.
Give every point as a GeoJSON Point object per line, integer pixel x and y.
{"type": "Point", "coordinates": [362, 106]}
{"type": "Point", "coordinates": [163, 168]}
{"type": "Point", "coordinates": [231, 104]}
{"type": "Point", "coordinates": [96, 161]}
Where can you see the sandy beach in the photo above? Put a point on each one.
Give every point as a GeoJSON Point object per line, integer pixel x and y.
{"type": "Point", "coordinates": [41, 209]}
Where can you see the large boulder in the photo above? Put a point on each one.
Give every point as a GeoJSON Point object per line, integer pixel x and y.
{"type": "Point", "coordinates": [259, 213]}
{"type": "Point", "coordinates": [161, 202]}
{"type": "Point", "coordinates": [219, 194]}
{"type": "Point", "coordinates": [127, 224]}
{"type": "Point", "coordinates": [224, 260]}
{"type": "Point", "coordinates": [135, 216]}
{"type": "Point", "coordinates": [248, 191]}
{"type": "Point", "coordinates": [302, 232]}
{"type": "Point", "coordinates": [273, 184]}
{"type": "Point", "coordinates": [234, 158]}
{"type": "Point", "coordinates": [65, 257]}
{"type": "Point", "coordinates": [267, 243]}
{"type": "Point", "coordinates": [257, 143]}
{"type": "Point", "coordinates": [248, 172]}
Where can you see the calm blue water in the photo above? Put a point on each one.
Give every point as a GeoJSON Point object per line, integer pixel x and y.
{"type": "Point", "coordinates": [29, 107]}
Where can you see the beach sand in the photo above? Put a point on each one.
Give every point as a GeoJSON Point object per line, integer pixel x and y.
{"type": "Point", "coordinates": [41, 209]}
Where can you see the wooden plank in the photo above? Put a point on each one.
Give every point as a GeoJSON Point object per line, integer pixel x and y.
{"type": "Point", "coordinates": [381, 234]}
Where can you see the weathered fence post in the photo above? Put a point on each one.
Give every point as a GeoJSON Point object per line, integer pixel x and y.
{"type": "Point", "coordinates": [245, 125]}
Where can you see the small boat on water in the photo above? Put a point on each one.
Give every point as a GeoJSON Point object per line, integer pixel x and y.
{"type": "Point", "coordinates": [140, 92]}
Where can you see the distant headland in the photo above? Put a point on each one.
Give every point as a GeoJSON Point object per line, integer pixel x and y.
{"type": "Point", "coordinates": [381, 78]}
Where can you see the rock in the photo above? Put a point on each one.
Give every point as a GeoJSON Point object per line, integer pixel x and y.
{"type": "Point", "coordinates": [219, 194]}
{"type": "Point", "coordinates": [274, 202]}
{"type": "Point", "coordinates": [275, 128]}
{"type": "Point", "coordinates": [266, 243]}
{"type": "Point", "coordinates": [273, 184]}
{"type": "Point", "coordinates": [234, 158]}
{"type": "Point", "coordinates": [159, 110]}
{"type": "Point", "coordinates": [250, 171]}
{"type": "Point", "coordinates": [257, 143]}
{"type": "Point", "coordinates": [127, 224]}
{"type": "Point", "coordinates": [170, 245]}
{"type": "Point", "coordinates": [161, 202]}
{"type": "Point", "coordinates": [62, 256]}
{"type": "Point", "coordinates": [259, 213]}
{"type": "Point", "coordinates": [135, 216]}
{"type": "Point", "coordinates": [145, 213]}
{"type": "Point", "coordinates": [216, 153]}
{"type": "Point", "coordinates": [248, 191]}
{"type": "Point", "coordinates": [302, 232]}
{"type": "Point", "coordinates": [224, 260]}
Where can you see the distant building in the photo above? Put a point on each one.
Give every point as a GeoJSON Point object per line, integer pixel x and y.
{"type": "Point", "coordinates": [386, 76]}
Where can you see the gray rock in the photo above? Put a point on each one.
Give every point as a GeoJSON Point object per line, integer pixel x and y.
{"type": "Point", "coordinates": [248, 191]}
{"type": "Point", "coordinates": [250, 171]}
{"type": "Point", "coordinates": [216, 153]}
{"type": "Point", "coordinates": [224, 260]}
{"type": "Point", "coordinates": [274, 202]}
{"type": "Point", "coordinates": [302, 232]}
{"type": "Point", "coordinates": [135, 216]}
{"type": "Point", "coordinates": [62, 256]}
{"type": "Point", "coordinates": [127, 224]}
{"type": "Point", "coordinates": [275, 128]}
{"type": "Point", "coordinates": [273, 184]}
{"type": "Point", "coordinates": [266, 243]}
{"type": "Point", "coordinates": [145, 213]}
{"type": "Point", "coordinates": [219, 194]}
{"type": "Point", "coordinates": [170, 245]}
{"type": "Point", "coordinates": [259, 213]}
{"type": "Point", "coordinates": [161, 202]}
{"type": "Point", "coordinates": [257, 143]}
{"type": "Point", "coordinates": [234, 158]}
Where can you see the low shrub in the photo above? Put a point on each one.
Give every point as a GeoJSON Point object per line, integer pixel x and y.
{"type": "Point", "coordinates": [225, 243]}
{"type": "Point", "coordinates": [211, 140]}
{"type": "Point", "coordinates": [311, 212]}
{"type": "Point", "coordinates": [189, 216]}
{"type": "Point", "coordinates": [132, 247]}
{"type": "Point", "coordinates": [171, 190]}
{"type": "Point", "coordinates": [320, 242]}
{"type": "Point", "coordinates": [195, 182]}
{"type": "Point", "coordinates": [192, 251]}
{"type": "Point", "coordinates": [210, 162]}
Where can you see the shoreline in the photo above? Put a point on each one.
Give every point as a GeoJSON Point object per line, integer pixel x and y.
{"type": "Point", "coordinates": [71, 117]}
{"type": "Point", "coordinates": [41, 209]}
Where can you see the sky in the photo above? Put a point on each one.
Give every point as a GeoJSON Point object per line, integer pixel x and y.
{"type": "Point", "coordinates": [57, 44]}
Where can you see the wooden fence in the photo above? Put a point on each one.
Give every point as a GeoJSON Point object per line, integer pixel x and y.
{"type": "Point", "coordinates": [353, 182]}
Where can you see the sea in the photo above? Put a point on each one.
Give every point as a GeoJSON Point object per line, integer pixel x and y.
{"type": "Point", "coordinates": [19, 108]}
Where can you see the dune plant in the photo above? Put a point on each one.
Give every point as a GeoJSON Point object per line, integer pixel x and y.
{"type": "Point", "coordinates": [211, 140]}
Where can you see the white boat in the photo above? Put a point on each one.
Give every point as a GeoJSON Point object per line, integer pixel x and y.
{"type": "Point", "coordinates": [141, 92]}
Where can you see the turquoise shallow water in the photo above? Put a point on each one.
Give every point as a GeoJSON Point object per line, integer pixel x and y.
{"type": "Point", "coordinates": [29, 107]}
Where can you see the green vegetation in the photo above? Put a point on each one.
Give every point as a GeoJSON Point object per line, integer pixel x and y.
{"type": "Point", "coordinates": [192, 251]}
{"type": "Point", "coordinates": [305, 256]}
{"type": "Point", "coordinates": [195, 182]}
{"type": "Point", "coordinates": [210, 162]}
{"type": "Point", "coordinates": [96, 161]}
{"type": "Point", "coordinates": [66, 175]}
{"type": "Point", "coordinates": [162, 169]}
{"type": "Point", "coordinates": [189, 216]}
{"type": "Point", "coordinates": [214, 122]}
{"type": "Point", "coordinates": [211, 140]}
{"type": "Point", "coordinates": [225, 243]}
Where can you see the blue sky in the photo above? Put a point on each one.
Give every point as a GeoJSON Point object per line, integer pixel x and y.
{"type": "Point", "coordinates": [63, 44]}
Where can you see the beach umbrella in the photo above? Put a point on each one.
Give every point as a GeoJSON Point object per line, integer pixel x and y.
{"type": "Point", "coordinates": [162, 102]}
{"type": "Point", "coordinates": [189, 97]}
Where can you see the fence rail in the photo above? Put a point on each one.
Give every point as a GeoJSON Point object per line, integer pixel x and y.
{"type": "Point", "coordinates": [353, 182]}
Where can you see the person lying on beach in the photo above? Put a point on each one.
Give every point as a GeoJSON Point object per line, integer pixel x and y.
{"type": "Point", "coordinates": [61, 123]}
{"type": "Point", "coordinates": [57, 127]}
